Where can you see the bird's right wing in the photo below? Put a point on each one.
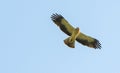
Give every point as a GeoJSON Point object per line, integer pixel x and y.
{"type": "Point", "coordinates": [88, 41]}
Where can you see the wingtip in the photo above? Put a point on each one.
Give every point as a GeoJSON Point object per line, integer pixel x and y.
{"type": "Point", "coordinates": [56, 16]}
{"type": "Point", "coordinates": [97, 44]}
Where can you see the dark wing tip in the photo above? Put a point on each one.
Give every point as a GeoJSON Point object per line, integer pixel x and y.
{"type": "Point", "coordinates": [97, 44]}
{"type": "Point", "coordinates": [56, 17]}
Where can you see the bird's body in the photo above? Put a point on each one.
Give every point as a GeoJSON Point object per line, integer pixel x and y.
{"type": "Point", "coordinates": [74, 33]}
{"type": "Point", "coordinates": [70, 41]}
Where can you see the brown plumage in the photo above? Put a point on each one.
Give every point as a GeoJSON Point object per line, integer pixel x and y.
{"type": "Point", "coordinates": [74, 34]}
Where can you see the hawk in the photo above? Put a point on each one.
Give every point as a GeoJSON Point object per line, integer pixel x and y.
{"type": "Point", "coordinates": [74, 33]}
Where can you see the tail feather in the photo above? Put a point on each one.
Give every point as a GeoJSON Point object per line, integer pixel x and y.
{"type": "Point", "coordinates": [69, 42]}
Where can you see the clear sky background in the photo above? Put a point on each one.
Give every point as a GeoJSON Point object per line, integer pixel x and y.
{"type": "Point", "coordinates": [31, 43]}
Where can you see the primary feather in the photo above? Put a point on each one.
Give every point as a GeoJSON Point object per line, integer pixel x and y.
{"type": "Point", "coordinates": [65, 26]}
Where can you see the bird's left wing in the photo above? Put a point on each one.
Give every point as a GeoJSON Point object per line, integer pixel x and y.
{"type": "Point", "coordinates": [63, 24]}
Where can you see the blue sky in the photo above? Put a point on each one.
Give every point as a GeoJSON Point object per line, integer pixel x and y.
{"type": "Point", "coordinates": [31, 43]}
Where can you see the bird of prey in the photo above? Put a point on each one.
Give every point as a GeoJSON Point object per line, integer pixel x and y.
{"type": "Point", "coordinates": [74, 33]}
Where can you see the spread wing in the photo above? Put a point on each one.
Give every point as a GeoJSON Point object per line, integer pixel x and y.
{"type": "Point", "coordinates": [65, 26]}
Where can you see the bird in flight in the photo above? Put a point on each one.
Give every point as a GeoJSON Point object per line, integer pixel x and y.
{"type": "Point", "coordinates": [74, 33]}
